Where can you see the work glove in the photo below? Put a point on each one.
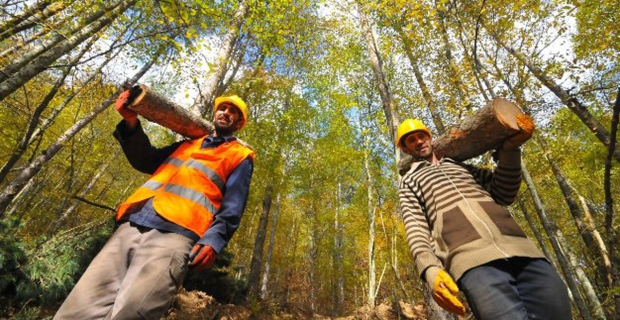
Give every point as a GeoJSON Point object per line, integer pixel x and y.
{"type": "Point", "coordinates": [526, 124]}
{"type": "Point", "coordinates": [201, 257]}
{"type": "Point", "coordinates": [121, 106]}
{"type": "Point", "coordinates": [444, 290]}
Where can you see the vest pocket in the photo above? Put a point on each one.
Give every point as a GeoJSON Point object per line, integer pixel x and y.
{"type": "Point", "coordinates": [457, 230]}
{"type": "Point", "coordinates": [502, 219]}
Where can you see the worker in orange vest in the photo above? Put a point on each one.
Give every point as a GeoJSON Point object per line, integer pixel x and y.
{"type": "Point", "coordinates": [180, 218]}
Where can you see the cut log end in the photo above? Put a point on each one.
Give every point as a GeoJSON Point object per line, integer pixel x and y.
{"type": "Point", "coordinates": [506, 112]}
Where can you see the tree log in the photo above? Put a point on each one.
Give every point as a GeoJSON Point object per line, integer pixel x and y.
{"type": "Point", "coordinates": [485, 130]}
{"type": "Point", "coordinates": [157, 108]}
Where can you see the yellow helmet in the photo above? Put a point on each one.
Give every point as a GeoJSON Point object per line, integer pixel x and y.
{"type": "Point", "coordinates": [408, 126]}
{"type": "Point", "coordinates": [237, 102]}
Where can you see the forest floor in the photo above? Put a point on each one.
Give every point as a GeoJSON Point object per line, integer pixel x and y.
{"type": "Point", "coordinates": [197, 305]}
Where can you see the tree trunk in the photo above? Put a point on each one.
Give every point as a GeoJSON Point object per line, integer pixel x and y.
{"type": "Point", "coordinates": [338, 290]}
{"type": "Point", "coordinates": [259, 243]}
{"type": "Point", "coordinates": [36, 115]}
{"type": "Point", "coordinates": [587, 235]}
{"type": "Point", "coordinates": [57, 224]}
{"type": "Point", "coordinates": [557, 239]}
{"type": "Point", "coordinates": [205, 100]}
{"type": "Point", "coordinates": [534, 228]}
{"type": "Point", "coordinates": [37, 11]}
{"type": "Point", "coordinates": [370, 207]}
{"type": "Point", "coordinates": [426, 93]}
{"type": "Point", "coordinates": [383, 86]}
{"type": "Point", "coordinates": [52, 116]}
{"type": "Point", "coordinates": [571, 102]}
{"type": "Point", "coordinates": [11, 189]}
{"type": "Point", "coordinates": [272, 236]}
{"type": "Point", "coordinates": [49, 43]}
{"type": "Point", "coordinates": [455, 72]}
{"type": "Point", "coordinates": [612, 235]}
{"type": "Point", "coordinates": [17, 77]}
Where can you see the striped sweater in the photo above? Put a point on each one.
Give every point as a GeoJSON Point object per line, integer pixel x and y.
{"type": "Point", "coordinates": [454, 214]}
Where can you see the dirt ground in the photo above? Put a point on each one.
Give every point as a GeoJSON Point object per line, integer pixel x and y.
{"type": "Point", "coordinates": [196, 305]}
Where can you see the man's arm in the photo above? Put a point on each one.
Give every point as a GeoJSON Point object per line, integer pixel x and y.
{"type": "Point", "coordinates": [138, 149]}
{"type": "Point", "coordinates": [417, 229]}
{"type": "Point", "coordinates": [227, 219]}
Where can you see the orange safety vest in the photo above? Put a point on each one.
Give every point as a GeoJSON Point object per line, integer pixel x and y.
{"type": "Point", "coordinates": [188, 187]}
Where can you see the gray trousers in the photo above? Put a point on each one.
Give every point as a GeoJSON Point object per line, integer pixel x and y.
{"type": "Point", "coordinates": [134, 276]}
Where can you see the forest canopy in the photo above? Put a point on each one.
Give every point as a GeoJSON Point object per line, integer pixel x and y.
{"type": "Point", "coordinates": [327, 83]}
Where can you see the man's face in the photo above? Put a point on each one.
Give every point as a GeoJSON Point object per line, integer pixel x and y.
{"type": "Point", "coordinates": [418, 144]}
{"type": "Point", "coordinates": [227, 118]}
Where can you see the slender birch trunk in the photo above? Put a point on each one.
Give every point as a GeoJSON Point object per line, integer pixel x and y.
{"type": "Point", "coordinates": [11, 189]}
{"type": "Point", "coordinates": [376, 62]}
{"type": "Point", "coordinates": [60, 220]}
{"type": "Point", "coordinates": [259, 243]}
{"type": "Point", "coordinates": [338, 293]}
{"type": "Point", "coordinates": [426, 93]}
{"type": "Point", "coordinates": [36, 115]}
{"type": "Point", "coordinates": [264, 291]}
{"type": "Point", "coordinates": [11, 78]}
{"type": "Point", "coordinates": [567, 99]}
{"type": "Point", "coordinates": [38, 11]}
{"type": "Point", "coordinates": [204, 105]}
{"type": "Point", "coordinates": [557, 239]}
{"type": "Point", "coordinates": [455, 72]}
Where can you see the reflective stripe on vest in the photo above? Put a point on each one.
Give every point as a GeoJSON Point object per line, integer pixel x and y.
{"type": "Point", "coordinates": [191, 195]}
{"type": "Point", "coordinates": [210, 173]}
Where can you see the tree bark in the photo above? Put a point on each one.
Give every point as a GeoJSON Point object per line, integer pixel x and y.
{"type": "Point", "coordinates": [594, 250]}
{"type": "Point", "coordinates": [428, 97]}
{"type": "Point", "coordinates": [157, 108]}
{"type": "Point", "coordinates": [259, 243]}
{"type": "Point", "coordinates": [612, 235]}
{"type": "Point", "coordinates": [272, 237]}
{"type": "Point", "coordinates": [557, 239]}
{"type": "Point", "coordinates": [376, 62]}
{"type": "Point", "coordinates": [205, 99]}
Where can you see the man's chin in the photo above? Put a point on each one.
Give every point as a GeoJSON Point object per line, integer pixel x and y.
{"type": "Point", "coordinates": [224, 130]}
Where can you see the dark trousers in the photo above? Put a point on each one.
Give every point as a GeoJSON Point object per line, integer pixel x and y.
{"type": "Point", "coordinates": [516, 288]}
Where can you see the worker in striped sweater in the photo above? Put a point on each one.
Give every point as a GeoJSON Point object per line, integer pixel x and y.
{"type": "Point", "coordinates": [462, 236]}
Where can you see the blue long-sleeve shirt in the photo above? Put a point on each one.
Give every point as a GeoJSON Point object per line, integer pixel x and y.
{"type": "Point", "coordinates": [146, 158]}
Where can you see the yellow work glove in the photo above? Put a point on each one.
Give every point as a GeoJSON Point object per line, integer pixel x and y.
{"type": "Point", "coordinates": [444, 290]}
{"type": "Point", "coordinates": [526, 124]}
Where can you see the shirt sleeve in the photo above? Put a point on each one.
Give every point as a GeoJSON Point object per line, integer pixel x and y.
{"type": "Point", "coordinates": [227, 219]}
{"type": "Point", "coordinates": [417, 229]}
{"type": "Point", "coordinates": [502, 183]}
{"type": "Point", "coordinates": [137, 147]}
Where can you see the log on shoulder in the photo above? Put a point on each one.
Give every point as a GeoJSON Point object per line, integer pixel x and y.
{"type": "Point", "coordinates": [485, 130]}
{"type": "Point", "coordinates": [157, 108]}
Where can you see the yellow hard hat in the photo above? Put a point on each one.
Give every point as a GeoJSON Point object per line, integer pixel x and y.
{"type": "Point", "coordinates": [408, 126]}
{"type": "Point", "coordinates": [237, 102]}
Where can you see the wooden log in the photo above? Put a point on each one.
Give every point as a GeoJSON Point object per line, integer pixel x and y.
{"type": "Point", "coordinates": [485, 130]}
{"type": "Point", "coordinates": [157, 108]}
